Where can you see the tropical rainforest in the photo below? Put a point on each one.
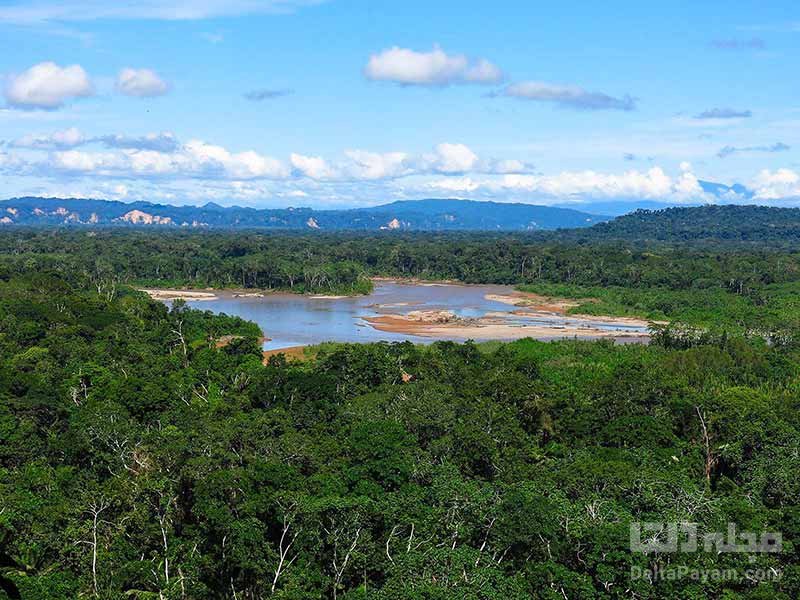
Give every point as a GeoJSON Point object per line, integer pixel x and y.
{"type": "Point", "coordinates": [149, 452]}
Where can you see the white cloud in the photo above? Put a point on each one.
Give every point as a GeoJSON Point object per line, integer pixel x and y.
{"type": "Point", "coordinates": [652, 184]}
{"type": "Point", "coordinates": [73, 137]}
{"type": "Point", "coordinates": [450, 168]}
{"type": "Point", "coordinates": [194, 160]}
{"type": "Point", "coordinates": [568, 96]}
{"type": "Point", "coordinates": [456, 184]}
{"type": "Point", "coordinates": [243, 165]}
{"type": "Point", "coordinates": [160, 142]}
{"type": "Point", "coordinates": [454, 158]}
{"type": "Point", "coordinates": [48, 86]}
{"type": "Point", "coordinates": [67, 138]}
{"type": "Point", "coordinates": [434, 68]}
{"type": "Point", "coordinates": [776, 185]}
{"type": "Point", "coordinates": [371, 165]}
{"type": "Point", "coordinates": [508, 166]}
{"type": "Point", "coordinates": [312, 166]}
{"type": "Point", "coordinates": [86, 162]}
{"type": "Point", "coordinates": [44, 11]}
{"type": "Point", "coordinates": [142, 83]}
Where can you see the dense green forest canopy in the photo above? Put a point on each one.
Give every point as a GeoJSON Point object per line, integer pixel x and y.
{"type": "Point", "coordinates": [140, 460]}
{"type": "Point", "coordinates": [757, 225]}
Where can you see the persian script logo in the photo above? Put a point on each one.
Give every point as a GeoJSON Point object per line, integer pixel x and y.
{"type": "Point", "coordinates": [683, 537]}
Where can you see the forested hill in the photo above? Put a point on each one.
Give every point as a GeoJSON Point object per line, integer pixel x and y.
{"type": "Point", "coordinates": [710, 222]}
{"type": "Point", "coordinates": [417, 215]}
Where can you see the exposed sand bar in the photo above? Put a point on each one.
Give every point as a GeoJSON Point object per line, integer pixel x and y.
{"type": "Point", "coordinates": [498, 328]}
{"type": "Point", "coordinates": [165, 295]}
{"type": "Point", "coordinates": [534, 301]}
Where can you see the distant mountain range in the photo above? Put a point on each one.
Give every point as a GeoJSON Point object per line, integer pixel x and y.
{"type": "Point", "coordinates": [409, 215]}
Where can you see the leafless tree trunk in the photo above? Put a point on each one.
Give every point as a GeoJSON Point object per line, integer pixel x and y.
{"type": "Point", "coordinates": [163, 524]}
{"type": "Point", "coordinates": [178, 331]}
{"type": "Point", "coordinates": [340, 567]}
{"type": "Point", "coordinates": [284, 548]}
{"type": "Point", "coordinates": [710, 458]}
{"type": "Point", "coordinates": [96, 508]}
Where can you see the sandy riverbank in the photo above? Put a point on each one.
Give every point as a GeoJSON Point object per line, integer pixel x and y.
{"type": "Point", "coordinates": [165, 295]}
{"type": "Point", "coordinates": [534, 302]}
{"type": "Point", "coordinates": [496, 326]}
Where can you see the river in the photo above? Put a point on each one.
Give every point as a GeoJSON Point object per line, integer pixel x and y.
{"type": "Point", "coordinates": [289, 320]}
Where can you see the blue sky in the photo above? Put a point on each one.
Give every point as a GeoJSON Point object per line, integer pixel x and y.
{"type": "Point", "coordinates": [346, 103]}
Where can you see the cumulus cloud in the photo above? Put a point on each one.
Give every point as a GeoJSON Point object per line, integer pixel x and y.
{"type": "Point", "coordinates": [162, 154]}
{"type": "Point", "coordinates": [653, 184]}
{"type": "Point", "coordinates": [456, 184]}
{"type": "Point", "coordinates": [730, 150]}
{"type": "Point", "coordinates": [194, 160]}
{"type": "Point", "coordinates": [373, 165]}
{"type": "Point", "coordinates": [141, 83]}
{"type": "Point", "coordinates": [48, 86]}
{"type": "Point", "coordinates": [506, 166]}
{"type": "Point", "coordinates": [266, 94]}
{"type": "Point", "coordinates": [446, 159]}
{"type": "Point", "coordinates": [160, 142]}
{"type": "Point", "coordinates": [453, 158]}
{"type": "Point", "coordinates": [777, 185]}
{"type": "Point", "coordinates": [242, 165]}
{"type": "Point", "coordinates": [723, 113]}
{"type": "Point", "coordinates": [434, 68]}
{"type": "Point", "coordinates": [86, 162]}
{"type": "Point", "coordinates": [568, 96]}
{"type": "Point", "coordinates": [45, 11]}
{"type": "Point", "coordinates": [67, 138]}
{"type": "Point", "coordinates": [314, 167]}
{"type": "Point", "coordinates": [73, 138]}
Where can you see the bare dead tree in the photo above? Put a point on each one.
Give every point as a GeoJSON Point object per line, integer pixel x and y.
{"type": "Point", "coordinates": [285, 545]}
{"type": "Point", "coordinates": [162, 515]}
{"type": "Point", "coordinates": [178, 331]}
{"type": "Point", "coordinates": [339, 565]}
{"type": "Point", "coordinates": [96, 508]}
{"type": "Point", "coordinates": [389, 541]}
{"type": "Point", "coordinates": [710, 458]}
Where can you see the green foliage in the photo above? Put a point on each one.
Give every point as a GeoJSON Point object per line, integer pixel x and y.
{"type": "Point", "coordinates": [140, 458]}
